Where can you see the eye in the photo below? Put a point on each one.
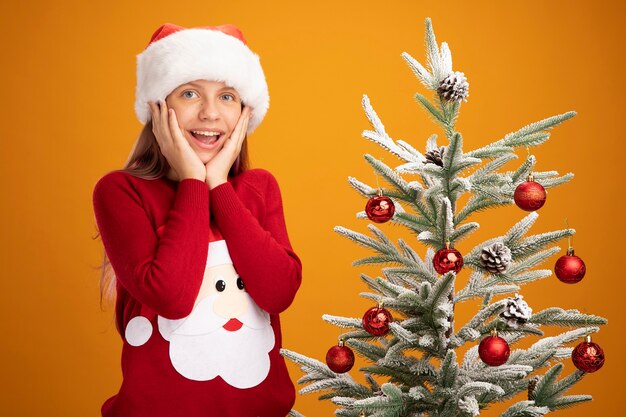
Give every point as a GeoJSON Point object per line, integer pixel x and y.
{"type": "Point", "coordinates": [232, 97]}
{"type": "Point", "coordinates": [240, 283]}
{"type": "Point", "coordinates": [220, 285]}
{"type": "Point", "coordinates": [188, 91]}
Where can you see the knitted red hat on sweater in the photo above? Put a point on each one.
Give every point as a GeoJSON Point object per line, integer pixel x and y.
{"type": "Point", "coordinates": [176, 55]}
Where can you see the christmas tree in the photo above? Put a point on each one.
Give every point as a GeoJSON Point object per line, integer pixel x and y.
{"type": "Point", "coordinates": [409, 337]}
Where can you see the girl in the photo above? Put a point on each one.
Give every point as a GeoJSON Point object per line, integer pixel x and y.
{"type": "Point", "coordinates": [197, 242]}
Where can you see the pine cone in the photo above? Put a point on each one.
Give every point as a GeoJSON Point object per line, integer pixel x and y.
{"type": "Point", "coordinates": [517, 311]}
{"type": "Point", "coordinates": [496, 258]}
{"type": "Point", "coordinates": [435, 156]}
{"type": "Point", "coordinates": [454, 87]}
{"type": "Point", "coordinates": [532, 384]}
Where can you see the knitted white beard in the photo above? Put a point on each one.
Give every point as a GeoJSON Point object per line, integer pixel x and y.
{"type": "Point", "coordinates": [200, 347]}
{"type": "Point", "coordinates": [241, 358]}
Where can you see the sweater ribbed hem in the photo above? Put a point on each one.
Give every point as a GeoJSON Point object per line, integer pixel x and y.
{"type": "Point", "coordinates": [192, 193]}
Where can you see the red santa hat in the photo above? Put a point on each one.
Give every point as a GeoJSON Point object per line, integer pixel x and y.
{"type": "Point", "coordinates": [218, 251]}
{"type": "Point", "coordinates": [176, 55]}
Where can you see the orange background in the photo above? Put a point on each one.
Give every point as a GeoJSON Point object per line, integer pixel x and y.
{"type": "Point", "coordinates": [67, 109]}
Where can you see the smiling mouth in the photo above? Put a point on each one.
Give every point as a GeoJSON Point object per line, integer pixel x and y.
{"type": "Point", "coordinates": [207, 140]}
{"type": "Point", "coordinates": [233, 325]}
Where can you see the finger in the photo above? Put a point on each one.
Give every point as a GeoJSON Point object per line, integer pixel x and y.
{"type": "Point", "coordinates": [239, 127]}
{"type": "Point", "coordinates": [154, 111]}
{"type": "Point", "coordinates": [244, 129]}
{"type": "Point", "coordinates": [248, 112]}
{"type": "Point", "coordinates": [164, 122]}
{"type": "Point", "coordinates": [156, 120]}
{"type": "Point", "coordinates": [163, 110]}
{"type": "Point", "coordinates": [174, 129]}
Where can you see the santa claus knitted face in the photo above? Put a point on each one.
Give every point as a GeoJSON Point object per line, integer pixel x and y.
{"type": "Point", "coordinates": [225, 335]}
{"type": "Point", "coordinates": [176, 55]}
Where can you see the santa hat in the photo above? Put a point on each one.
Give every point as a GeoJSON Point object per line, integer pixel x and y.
{"type": "Point", "coordinates": [218, 254]}
{"type": "Point", "coordinates": [176, 55]}
{"type": "Point", "coordinates": [218, 251]}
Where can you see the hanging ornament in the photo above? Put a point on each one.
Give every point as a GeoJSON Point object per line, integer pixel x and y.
{"type": "Point", "coordinates": [570, 268]}
{"type": "Point", "coordinates": [340, 358]}
{"type": "Point", "coordinates": [494, 350]}
{"type": "Point", "coordinates": [376, 320]}
{"type": "Point", "coordinates": [454, 87]}
{"type": "Point", "coordinates": [496, 258]}
{"type": "Point", "coordinates": [517, 311]}
{"type": "Point", "coordinates": [380, 208]}
{"type": "Point", "coordinates": [447, 259]}
{"type": "Point", "coordinates": [588, 356]}
{"type": "Point", "coordinates": [530, 195]}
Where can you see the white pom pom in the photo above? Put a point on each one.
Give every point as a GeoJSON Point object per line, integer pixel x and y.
{"type": "Point", "coordinates": [138, 331]}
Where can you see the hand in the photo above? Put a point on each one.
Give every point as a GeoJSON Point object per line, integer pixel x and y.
{"type": "Point", "coordinates": [217, 168]}
{"type": "Point", "coordinates": [171, 140]}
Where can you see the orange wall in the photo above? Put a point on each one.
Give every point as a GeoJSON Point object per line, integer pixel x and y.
{"type": "Point", "coordinates": [69, 79]}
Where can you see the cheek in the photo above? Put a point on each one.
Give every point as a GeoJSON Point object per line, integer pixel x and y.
{"type": "Point", "coordinates": [233, 118]}
{"type": "Point", "coordinates": [182, 113]}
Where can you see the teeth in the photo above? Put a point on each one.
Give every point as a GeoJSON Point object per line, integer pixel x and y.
{"type": "Point", "coordinates": [204, 133]}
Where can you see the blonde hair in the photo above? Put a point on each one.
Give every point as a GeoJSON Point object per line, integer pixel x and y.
{"type": "Point", "coordinates": [147, 162]}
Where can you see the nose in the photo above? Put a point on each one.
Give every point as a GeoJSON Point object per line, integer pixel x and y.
{"type": "Point", "coordinates": [208, 110]}
{"type": "Point", "coordinates": [232, 303]}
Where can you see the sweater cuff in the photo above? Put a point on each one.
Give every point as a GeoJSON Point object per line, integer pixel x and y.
{"type": "Point", "coordinates": [192, 193]}
{"type": "Point", "coordinates": [224, 200]}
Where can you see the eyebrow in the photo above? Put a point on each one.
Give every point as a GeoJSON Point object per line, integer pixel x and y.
{"type": "Point", "coordinates": [199, 86]}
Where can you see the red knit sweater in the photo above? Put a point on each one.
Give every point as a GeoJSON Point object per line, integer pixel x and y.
{"type": "Point", "coordinates": [156, 235]}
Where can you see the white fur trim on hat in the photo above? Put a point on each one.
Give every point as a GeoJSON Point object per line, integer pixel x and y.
{"type": "Point", "coordinates": [200, 54]}
{"type": "Point", "coordinates": [218, 254]}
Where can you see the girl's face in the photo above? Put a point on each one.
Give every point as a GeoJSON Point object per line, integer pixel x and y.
{"type": "Point", "coordinates": [207, 112]}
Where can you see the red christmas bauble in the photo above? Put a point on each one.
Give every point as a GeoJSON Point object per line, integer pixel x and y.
{"type": "Point", "coordinates": [376, 321]}
{"type": "Point", "coordinates": [379, 209]}
{"type": "Point", "coordinates": [530, 195]}
{"type": "Point", "coordinates": [446, 260]}
{"type": "Point", "coordinates": [570, 268]}
{"type": "Point", "coordinates": [494, 350]}
{"type": "Point", "coordinates": [340, 359]}
{"type": "Point", "coordinates": [588, 356]}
